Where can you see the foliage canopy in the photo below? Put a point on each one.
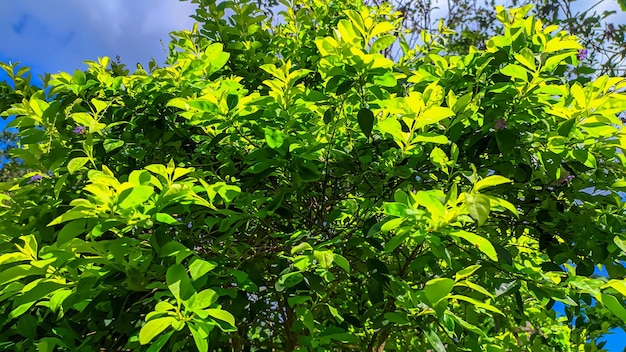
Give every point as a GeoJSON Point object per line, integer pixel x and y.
{"type": "Point", "coordinates": [289, 187]}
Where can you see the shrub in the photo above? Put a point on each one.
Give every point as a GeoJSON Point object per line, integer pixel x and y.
{"type": "Point", "coordinates": [288, 187]}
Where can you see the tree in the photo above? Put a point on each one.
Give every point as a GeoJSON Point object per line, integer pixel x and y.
{"type": "Point", "coordinates": [288, 187]}
{"type": "Point", "coordinates": [18, 89]}
{"type": "Point", "coordinates": [472, 20]}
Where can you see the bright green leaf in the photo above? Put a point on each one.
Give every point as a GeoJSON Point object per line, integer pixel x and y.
{"type": "Point", "coordinates": [274, 138]}
{"type": "Point", "coordinates": [222, 315]}
{"type": "Point", "coordinates": [478, 206]}
{"type": "Point", "coordinates": [153, 328]}
{"type": "Point", "coordinates": [480, 242]}
{"type": "Point", "coordinates": [437, 289]}
{"type": "Point", "coordinates": [515, 71]}
{"type": "Point", "coordinates": [199, 268]}
{"type": "Point", "coordinates": [490, 181]}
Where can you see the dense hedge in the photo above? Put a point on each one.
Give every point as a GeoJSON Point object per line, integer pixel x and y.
{"type": "Point", "coordinates": [288, 187]}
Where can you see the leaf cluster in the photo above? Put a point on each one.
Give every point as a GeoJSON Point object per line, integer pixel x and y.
{"type": "Point", "coordinates": [289, 187]}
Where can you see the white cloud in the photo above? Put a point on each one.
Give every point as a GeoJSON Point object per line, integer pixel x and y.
{"type": "Point", "coordinates": [59, 35]}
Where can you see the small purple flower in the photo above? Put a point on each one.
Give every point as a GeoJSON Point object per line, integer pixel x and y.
{"type": "Point", "coordinates": [35, 178]}
{"type": "Point", "coordinates": [582, 54]}
{"type": "Point", "coordinates": [565, 179]}
{"type": "Point", "coordinates": [501, 125]}
{"type": "Point", "coordinates": [80, 130]}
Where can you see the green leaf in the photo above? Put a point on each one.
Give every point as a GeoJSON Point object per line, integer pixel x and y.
{"type": "Point", "coordinates": [112, 144]}
{"type": "Point", "coordinates": [329, 115]}
{"type": "Point", "coordinates": [296, 300]}
{"type": "Point", "coordinates": [274, 138]}
{"type": "Point", "coordinates": [215, 55]}
{"type": "Point", "coordinates": [342, 262]}
{"type": "Point", "coordinates": [76, 164]}
{"type": "Point", "coordinates": [553, 61]}
{"type": "Point", "coordinates": [498, 202]}
{"type": "Point", "coordinates": [153, 328]}
{"type": "Point", "coordinates": [475, 287]}
{"type": "Point", "coordinates": [30, 246]}
{"type": "Point", "coordinates": [393, 127]}
{"type": "Point", "coordinates": [13, 258]}
{"type": "Point", "coordinates": [438, 288]}
{"type": "Point", "coordinates": [200, 338]}
{"type": "Point", "coordinates": [435, 341]}
{"type": "Point", "coordinates": [391, 224]}
{"type": "Point", "coordinates": [134, 196]}
{"type": "Point", "coordinates": [16, 272]}
{"type": "Point", "coordinates": [526, 58]}
{"type": "Point", "coordinates": [160, 342]}
{"type": "Point", "coordinates": [203, 105]}
{"type": "Point", "coordinates": [614, 306]}
{"type": "Point", "coordinates": [335, 313]}
{"type": "Point", "coordinates": [399, 318]}
{"type": "Point", "coordinates": [480, 242]}
{"type": "Point", "coordinates": [158, 169]}
{"type": "Point", "coordinates": [506, 140]}
{"type": "Point", "coordinates": [490, 181]}
{"type": "Point", "coordinates": [386, 80]}
{"type": "Point", "coordinates": [57, 299]}
{"type": "Point", "coordinates": [178, 282]}
{"type": "Point", "coordinates": [365, 118]}
{"type": "Point", "coordinates": [440, 159]}
{"type": "Point", "coordinates": [462, 274]}
{"type": "Point", "coordinates": [79, 77]}
{"type": "Point", "coordinates": [198, 268]}
{"type": "Point", "coordinates": [27, 326]}
{"type": "Point", "coordinates": [344, 87]}
{"type": "Point", "coordinates": [382, 43]}
{"type": "Point", "coordinates": [58, 186]}
{"type": "Point", "coordinates": [558, 43]}
{"type": "Point", "coordinates": [433, 115]}
{"type": "Point", "coordinates": [432, 201]}
{"type": "Point", "coordinates": [618, 285]}
{"type": "Point", "coordinates": [302, 247]}
{"type": "Point", "coordinates": [20, 309]}
{"type": "Point", "coordinates": [515, 71]}
{"type": "Point", "coordinates": [49, 344]}
{"type": "Point", "coordinates": [620, 243]}
{"type": "Point", "coordinates": [395, 209]}
{"type": "Point", "coordinates": [288, 280]}
{"type": "Point", "coordinates": [166, 219]}
{"type": "Point", "coordinates": [175, 249]}
{"type": "Point", "coordinates": [395, 241]}
{"type": "Point", "coordinates": [164, 306]}
{"type": "Point", "coordinates": [584, 157]}
{"type": "Point", "coordinates": [429, 138]}
{"type": "Point", "coordinates": [467, 325]}
{"type": "Point", "coordinates": [477, 303]}
{"type": "Point", "coordinates": [205, 298]}
{"type": "Point", "coordinates": [222, 315]}
{"type": "Point", "coordinates": [478, 206]}
{"type": "Point", "coordinates": [70, 215]}
{"type": "Point", "coordinates": [557, 144]}
{"type": "Point", "coordinates": [382, 27]}
{"type": "Point", "coordinates": [347, 32]}
{"type": "Point", "coordinates": [324, 258]}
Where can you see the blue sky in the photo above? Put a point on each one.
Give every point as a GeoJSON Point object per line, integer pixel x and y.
{"type": "Point", "coordinates": [54, 36]}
